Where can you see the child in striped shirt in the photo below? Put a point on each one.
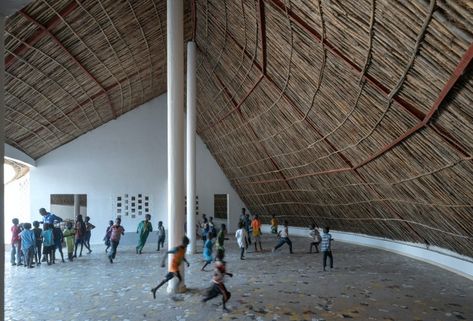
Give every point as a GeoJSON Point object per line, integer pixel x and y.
{"type": "Point", "coordinates": [326, 247]}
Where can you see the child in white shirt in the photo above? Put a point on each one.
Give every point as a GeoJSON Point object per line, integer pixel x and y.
{"type": "Point", "coordinates": [242, 239]}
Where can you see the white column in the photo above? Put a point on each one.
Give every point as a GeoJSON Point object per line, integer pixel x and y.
{"type": "Point", "coordinates": [190, 162]}
{"type": "Point", "coordinates": [76, 205]}
{"type": "Point", "coordinates": [2, 156]}
{"type": "Point", "coordinates": [175, 96]}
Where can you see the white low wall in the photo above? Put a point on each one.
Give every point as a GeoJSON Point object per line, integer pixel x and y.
{"type": "Point", "coordinates": [443, 258]}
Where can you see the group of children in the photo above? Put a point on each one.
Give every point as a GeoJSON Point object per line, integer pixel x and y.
{"type": "Point", "coordinates": [28, 241]}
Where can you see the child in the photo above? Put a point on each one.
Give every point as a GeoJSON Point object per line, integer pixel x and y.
{"type": "Point", "coordinates": [28, 243]}
{"type": "Point", "coordinates": [326, 247]}
{"type": "Point", "coordinates": [15, 258]}
{"type": "Point", "coordinates": [80, 229]}
{"type": "Point", "coordinates": [88, 233]}
{"type": "Point", "coordinates": [218, 287]}
{"type": "Point", "coordinates": [177, 259]}
{"type": "Point", "coordinates": [256, 227]}
{"type": "Point", "coordinates": [221, 238]}
{"type": "Point", "coordinates": [247, 225]}
{"type": "Point", "coordinates": [274, 224]}
{"type": "Point", "coordinates": [108, 232]}
{"type": "Point", "coordinates": [39, 242]}
{"type": "Point", "coordinates": [212, 228]}
{"type": "Point", "coordinates": [58, 239]}
{"type": "Point", "coordinates": [242, 239]}
{"type": "Point", "coordinates": [284, 238]}
{"type": "Point", "coordinates": [315, 235]}
{"type": "Point", "coordinates": [208, 251]}
{"type": "Point", "coordinates": [161, 235]}
{"type": "Point", "coordinates": [205, 228]}
{"type": "Point", "coordinates": [117, 232]}
{"type": "Point", "coordinates": [48, 243]}
{"type": "Point", "coordinates": [143, 230]}
{"type": "Point", "coordinates": [68, 234]}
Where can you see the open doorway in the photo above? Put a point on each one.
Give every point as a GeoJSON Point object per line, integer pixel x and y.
{"type": "Point", "coordinates": [221, 209]}
{"type": "Point", "coordinates": [68, 206]}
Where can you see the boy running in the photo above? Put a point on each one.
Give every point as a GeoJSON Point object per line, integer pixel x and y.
{"type": "Point", "coordinates": [177, 259]}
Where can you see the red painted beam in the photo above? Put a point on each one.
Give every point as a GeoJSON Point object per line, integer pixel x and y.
{"type": "Point", "coordinates": [38, 35]}
{"type": "Point", "coordinates": [68, 53]}
{"type": "Point", "coordinates": [457, 73]}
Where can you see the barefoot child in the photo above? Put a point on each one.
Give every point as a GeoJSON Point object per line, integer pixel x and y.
{"type": "Point", "coordinates": [106, 238]}
{"type": "Point", "coordinates": [68, 234]}
{"type": "Point", "coordinates": [208, 247]}
{"type": "Point", "coordinates": [48, 243]}
{"type": "Point", "coordinates": [58, 238]}
{"type": "Point", "coordinates": [117, 232]}
{"type": "Point", "coordinates": [284, 238]}
{"type": "Point", "coordinates": [15, 242]}
{"type": "Point", "coordinates": [176, 261]}
{"type": "Point", "coordinates": [218, 287]}
{"type": "Point", "coordinates": [256, 228]}
{"type": "Point", "coordinates": [274, 224]}
{"type": "Point", "coordinates": [28, 244]}
{"type": "Point", "coordinates": [88, 233]}
{"type": "Point", "coordinates": [143, 230]}
{"type": "Point", "coordinates": [326, 247]}
{"type": "Point", "coordinates": [242, 239]}
{"type": "Point", "coordinates": [161, 235]}
{"type": "Point", "coordinates": [39, 242]}
{"type": "Point", "coordinates": [315, 236]}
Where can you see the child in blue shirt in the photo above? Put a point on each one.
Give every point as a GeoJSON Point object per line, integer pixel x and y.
{"type": "Point", "coordinates": [48, 243]}
{"type": "Point", "coordinates": [208, 250]}
{"type": "Point", "coordinates": [28, 243]}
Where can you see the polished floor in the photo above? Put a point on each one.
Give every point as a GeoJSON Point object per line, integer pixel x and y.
{"type": "Point", "coordinates": [365, 284]}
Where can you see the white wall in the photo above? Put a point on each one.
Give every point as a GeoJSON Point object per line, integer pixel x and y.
{"type": "Point", "coordinates": [126, 155]}
{"type": "Point", "coordinates": [67, 211]}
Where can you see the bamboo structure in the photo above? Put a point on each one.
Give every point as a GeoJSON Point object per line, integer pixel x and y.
{"type": "Point", "coordinates": [353, 114]}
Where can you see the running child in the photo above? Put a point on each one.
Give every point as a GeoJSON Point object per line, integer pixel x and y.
{"type": "Point", "coordinates": [143, 230]}
{"type": "Point", "coordinates": [218, 287]}
{"type": "Point", "coordinates": [161, 235]}
{"type": "Point", "coordinates": [106, 238]}
{"type": "Point", "coordinates": [284, 238]}
{"type": "Point", "coordinates": [117, 232]}
{"type": "Point", "coordinates": [208, 248]}
{"type": "Point", "coordinates": [176, 261]}
{"type": "Point", "coordinates": [58, 238]}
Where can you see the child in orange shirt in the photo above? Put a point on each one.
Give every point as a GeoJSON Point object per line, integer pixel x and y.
{"type": "Point", "coordinates": [256, 227]}
{"type": "Point", "coordinates": [177, 259]}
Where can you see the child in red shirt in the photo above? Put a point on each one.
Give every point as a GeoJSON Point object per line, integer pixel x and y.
{"type": "Point", "coordinates": [15, 243]}
{"type": "Point", "coordinates": [218, 287]}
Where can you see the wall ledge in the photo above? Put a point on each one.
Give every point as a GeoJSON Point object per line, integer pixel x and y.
{"type": "Point", "coordinates": [443, 258]}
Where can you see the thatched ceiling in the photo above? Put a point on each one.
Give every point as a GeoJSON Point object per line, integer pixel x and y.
{"type": "Point", "coordinates": [72, 66]}
{"type": "Point", "coordinates": [352, 114]}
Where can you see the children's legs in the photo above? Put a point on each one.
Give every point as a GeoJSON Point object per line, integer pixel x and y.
{"type": "Point", "coordinates": [325, 259]}
{"type": "Point", "coordinates": [70, 255]}
{"type": "Point", "coordinates": [213, 292]}
{"type": "Point", "coordinates": [13, 254]}
{"type": "Point", "coordinates": [206, 263]}
{"type": "Point", "coordinates": [329, 254]}
{"type": "Point", "coordinates": [242, 253]}
{"type": "Point", "coordinates": [280, 243]}
{"type": "Point", "coordinates": [59, 247]}
{"type": "Point", "coordinates": [166, 279]}
{"type": "Point", "coordinates": [288, 241]}
{"type": "Point", "coordinates": [260, 246]}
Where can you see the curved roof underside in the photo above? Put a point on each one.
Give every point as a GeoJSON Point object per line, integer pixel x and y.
{"type": "Point", "coordinates": [333, 112]}
{"type": "Point", "coordinates": [352, 114]}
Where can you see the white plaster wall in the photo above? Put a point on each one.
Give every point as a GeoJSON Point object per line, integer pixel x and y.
{"type": "Point", "coordinates": [67, 211]}
{"type": "Point", "coordinates": [126, 155]}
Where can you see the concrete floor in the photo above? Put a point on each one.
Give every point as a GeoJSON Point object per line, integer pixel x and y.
{"type": "Point", "coordinates": [366, 284]}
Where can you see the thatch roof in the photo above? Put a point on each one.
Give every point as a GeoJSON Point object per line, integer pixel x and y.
{"type": "Point", "coordinates": [72, 66]}
{"type": "Point", "coordinates": [352, 114]}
